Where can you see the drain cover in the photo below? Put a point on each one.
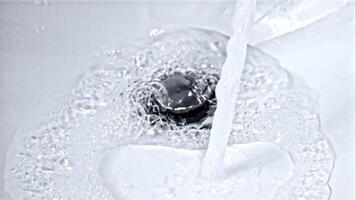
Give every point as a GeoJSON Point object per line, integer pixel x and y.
{"type": "Point", "coordinates": [183, 98]}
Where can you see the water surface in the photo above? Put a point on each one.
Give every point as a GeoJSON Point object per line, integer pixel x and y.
{"type": "Point", "coordinates": [59, 160]}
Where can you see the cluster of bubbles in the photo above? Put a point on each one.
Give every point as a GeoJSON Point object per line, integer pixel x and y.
{"type": "Point", "coordinates": [129, 99]}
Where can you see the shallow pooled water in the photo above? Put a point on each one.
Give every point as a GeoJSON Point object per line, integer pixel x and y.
{"type": "Point", "coordinates": [108, 108]}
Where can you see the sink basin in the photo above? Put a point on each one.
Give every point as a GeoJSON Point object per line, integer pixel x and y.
{"type": "Point", "coordinates": [46, 46]}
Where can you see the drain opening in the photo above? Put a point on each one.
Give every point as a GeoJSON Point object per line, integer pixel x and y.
{"type": "Point", "coordinates": [183, 97]}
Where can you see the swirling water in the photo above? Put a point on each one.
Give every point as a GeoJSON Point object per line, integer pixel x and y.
{"type": "Point", "coordinates": [59, 160]}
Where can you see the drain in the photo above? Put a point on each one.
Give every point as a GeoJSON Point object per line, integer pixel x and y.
{"type": "Point", "coordinates": [184, 98]}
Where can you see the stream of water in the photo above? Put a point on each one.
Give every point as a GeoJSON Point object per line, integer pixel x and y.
{"type": "Point", "coordinates": [228, 88]}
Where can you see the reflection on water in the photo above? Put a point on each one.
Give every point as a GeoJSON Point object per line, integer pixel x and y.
{"type": "Point", "coordinates": [108, 108]}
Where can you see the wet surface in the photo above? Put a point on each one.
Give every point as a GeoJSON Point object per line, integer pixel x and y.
{"type": "Point", "coordinates": [105, 111]}
{"type": "Point", "coordinates": [32, 86]}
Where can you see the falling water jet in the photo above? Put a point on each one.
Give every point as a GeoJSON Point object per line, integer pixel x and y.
{"type": "Point", "coordinates": [227, 89]}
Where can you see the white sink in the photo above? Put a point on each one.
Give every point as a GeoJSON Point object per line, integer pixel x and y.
{"type": "Point", "coordinates": [46, 46]}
